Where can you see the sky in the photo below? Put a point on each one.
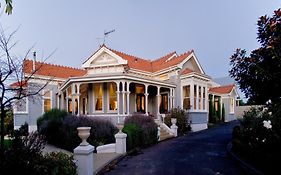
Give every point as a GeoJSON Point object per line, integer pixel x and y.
{"type": "Point", "coordinates": [144, 28]}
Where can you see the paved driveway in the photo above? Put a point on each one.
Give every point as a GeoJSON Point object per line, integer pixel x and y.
{"type": "Point", "coordinates": [200, 153]}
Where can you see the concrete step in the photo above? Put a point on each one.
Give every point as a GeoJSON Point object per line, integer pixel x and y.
{"type": "Point", "coordinates": [164, 134]}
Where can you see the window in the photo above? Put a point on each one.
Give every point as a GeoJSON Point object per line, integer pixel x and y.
{"type": "Point", "coordinates": [47, 102]}
{"type": "Point", "coordinates": [112, 88]}
{"type": "Point", "coordinates": [231, 108]}
{"type": "Point", "coordinates": [195, 97]}
{"type": "Point", "coordinates": [21, 105]}
{"type": "Point", "coordinates": [186, 97]}
{"type": "Point", "coordinates": [98, 96]}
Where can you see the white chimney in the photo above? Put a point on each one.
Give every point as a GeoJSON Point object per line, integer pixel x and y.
{"type": "Point", "coordinates": [34, 61]}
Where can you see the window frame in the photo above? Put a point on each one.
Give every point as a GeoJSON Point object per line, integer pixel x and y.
{"type": "Point", "coordinates": [44, 98]}
{"type": "Point", "coordinates": [108, 98]}
{"type": "Point", "coordinates": [94, 99]}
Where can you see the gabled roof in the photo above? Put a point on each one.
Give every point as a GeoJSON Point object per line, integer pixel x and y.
{"type": "Point", "coordinates": [222, 89]}
{"type": "Point", "coordinates": [169, 60]}
{"type": "Point", "coordinates": [46, 69]}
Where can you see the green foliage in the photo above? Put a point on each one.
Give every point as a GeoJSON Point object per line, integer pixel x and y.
{"type": "Point", "coordinates": [134, 136]}
{"type": "Point", "coordinates": [258, 143]}
{"type": "Point", "coordinates": [57, 163]}
{"type": "Point", "coordinates": [49, 124]}
{"type": "Point", "coordinates": [9, 7]}
{"type": "Point", "coordinates": [148, 126]}
{"type": "Point", "coordinates": [9, 123]}
{"type": "Point", "coordinates": [61, 131]}
{"type": "Point", "coordinates": [24, 156]}
{"type": "Point", "coordinates": [182, 120]}
{"type": "Point", "coordinates": [258, 75]}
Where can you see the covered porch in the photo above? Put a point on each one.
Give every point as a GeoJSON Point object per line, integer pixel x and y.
{"type": "Point", "coordinates": [116, 97]}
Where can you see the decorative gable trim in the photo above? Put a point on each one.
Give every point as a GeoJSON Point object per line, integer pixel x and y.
{"type": "Point", "coordinates": [192, 55]}
{"type": "Point", "coordinates": [96, 55]}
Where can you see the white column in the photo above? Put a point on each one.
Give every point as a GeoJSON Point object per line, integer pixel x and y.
{"type": "Point", "coordinates": [73, 98]}
{"type": "Point", "coordinates": [201, 97]}
{"type": "Point", "coordinates": [158, 100]}
{"type": "Point", "coordinates": [62, 100]}
{"type": "Point", "coordinates": [118, 99]}
{"type": "Point", "coordinates": [191, 96]}
{"type": "Point", "coordinates": [123, 97]}
{"type": "Point", "coordinates": [78, 99]}
{"type": "Point", "coordinates": [66, 100]}
{"type": "Point", "coordinates": [197, 95]}
{"type": "Point", "coordinates": [206, 99]}
{"type": "Point", "coordinates": [128, 98]}
{"type": "Point", "coordinates": [146, 99]}
{"type": "Point", "coordinates": [171, 99]}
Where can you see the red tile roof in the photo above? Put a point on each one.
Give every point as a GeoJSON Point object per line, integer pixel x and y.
{"type": "Point", "coordinates": [46, 69]}
{"type": "Point", "coordinates": [164, 62]}
{"type": "Point", "coordinates": [222, 89]}
{"type": "Point", "coordinates": [18, 84]}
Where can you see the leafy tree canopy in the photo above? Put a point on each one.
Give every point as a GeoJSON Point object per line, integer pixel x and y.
{"type": "Point", "coordinates": [259, 74]}
{"type": "Point", "coordinates": [9, 7]}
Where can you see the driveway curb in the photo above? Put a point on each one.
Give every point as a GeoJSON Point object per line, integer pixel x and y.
{"type": "Point", "coordinates": [246, 166]}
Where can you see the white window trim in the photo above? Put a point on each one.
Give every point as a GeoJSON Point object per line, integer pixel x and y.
{"type": "Point", "coordinates": [232, 106]}
{"type": "Point", "coordinates": [43, 98]}
{"type": "Point", "coordinates": [108, 101]}
{"type": "Point", "coordinates": [186, 97]}
{"type": "Point", "coordinates": [94, 100]}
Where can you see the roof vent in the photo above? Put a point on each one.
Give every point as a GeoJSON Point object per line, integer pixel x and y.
{"type": "Point", "coordinates": [136, 60]}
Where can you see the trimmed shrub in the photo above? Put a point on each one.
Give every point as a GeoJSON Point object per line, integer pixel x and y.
{"type": "Point", "coordinates": [134, 136]}
{"type": "Point", "coordinates": [50, 123]}
{"type": "Point", "coordinates": [102, 131]}
{"type": "Point", "coordinates": [148, 126]}
{"type": "Point", "coordinates": [182, 120]}
{"type": "Point", "coordinates": [62, 131]}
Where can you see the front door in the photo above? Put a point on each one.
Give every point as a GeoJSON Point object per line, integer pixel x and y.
{"type": "Point", "coordinates": [164, 104]}
{"type": "Point", "coordinates": [140, 103]}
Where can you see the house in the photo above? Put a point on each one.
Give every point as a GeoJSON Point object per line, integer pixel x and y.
{"type": "Point", "coordinates": [113, 84]}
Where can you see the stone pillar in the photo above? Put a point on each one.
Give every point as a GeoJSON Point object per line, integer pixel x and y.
{"type": "Point", "coordinates": [84, 157]}
{"type": "Point", "coordinates": [146, 99]}
{"type": "Point", "coordinates": [202, 89]}
{"type": "Point", "coordinates": [120, 146]}
{"type": "Point", "coordinates": [73, 98]}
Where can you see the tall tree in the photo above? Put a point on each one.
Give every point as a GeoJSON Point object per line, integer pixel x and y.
{"type": "Point", "coordinates": [9, 6]}
{"type": "Point", "coordinates": [259, 74]}
{"type": "Point", "coordinates": [11, 72]}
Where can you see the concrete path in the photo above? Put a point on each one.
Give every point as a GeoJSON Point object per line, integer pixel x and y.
{"type": "Point", "coordinates": [201, 153]}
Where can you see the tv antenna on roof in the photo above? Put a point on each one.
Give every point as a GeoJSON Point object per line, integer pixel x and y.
{"type": "Point", "coordinates": [105, 34]}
